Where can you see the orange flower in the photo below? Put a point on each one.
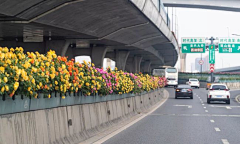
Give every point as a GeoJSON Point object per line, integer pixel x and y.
{"type": "Point", "coordinates": [11, 95]}
{"type": "Point", "coordinates": [32, 61]}
{"type": "Point", "coordinates": [45, 86]}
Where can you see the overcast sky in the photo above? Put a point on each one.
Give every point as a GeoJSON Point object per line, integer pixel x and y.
{"type": "Point", "coordinates": [207, 23]}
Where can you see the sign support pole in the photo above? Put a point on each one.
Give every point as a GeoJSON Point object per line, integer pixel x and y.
{"type": "Point", "coordinates": [211, 39]}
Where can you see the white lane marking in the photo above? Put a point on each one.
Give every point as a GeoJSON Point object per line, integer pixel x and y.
{"type": "Point", "coordinates": [212, 121]}
{"type": "Point", "coordinates": [225, 141]}
{"type": "Point", "coordinates": [102, 140]}
{"type": "Point", "coordinates": [206, 110]}
{"type": "Point", "coordinates": [204, 107]}
{"type": "Point", "coordinates": [202, 104]}
{"type": "Point", "coordinates": [228, 108]}
{"type": "Point", "coordinates": [189, 106]}
{"type": "Point", "coordinates": [217, 129]}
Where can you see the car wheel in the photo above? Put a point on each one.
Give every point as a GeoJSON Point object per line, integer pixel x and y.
{"type": "Point", "coordinates": [228, 101]}
{"type": "Point", "coordinates": [208, 100]}
{"type": "Point", "coordinates": [175, 97]}
{"type": "Point", "coordinates": [191, 97]}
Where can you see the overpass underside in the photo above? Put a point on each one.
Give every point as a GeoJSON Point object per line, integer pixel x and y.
{"type": "Point", "coordinates": [132, 33]}
{"type": "Point", "coordinates": [223, 5]}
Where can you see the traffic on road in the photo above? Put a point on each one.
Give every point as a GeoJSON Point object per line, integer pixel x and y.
{"type": "Point", "coordinates": [187, 121]}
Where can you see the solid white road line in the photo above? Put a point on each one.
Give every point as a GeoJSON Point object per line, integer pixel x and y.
{"type": "Point", "coordinates": [202, 104]}
{"type": "Point", "coordinates": [217, 129]}
{"type": "Point", "coordinates": [225, 141]}
{"type": "Point", "coordinates": [204, 107]}
{"type": "Point", "coordinates": [206, 110]}
{"type": "Point", "coordinates": [212, 121]}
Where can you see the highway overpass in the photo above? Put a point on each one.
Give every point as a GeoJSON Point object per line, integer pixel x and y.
{"type": "Point", "coordinates": [229, 69]}
{"type": "Point", "coordinates": [134, 33]}
{"type": "Point", "coordinates": [224, 5]}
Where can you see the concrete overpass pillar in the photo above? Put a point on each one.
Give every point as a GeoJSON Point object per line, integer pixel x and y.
{"type": "Point", "coordinates": [61, 47]}
{"type": "Point", "coordinates": [136, 64]}
{"type": "Point", "coordinates": [146, 67]}
{"type": "Point", "coordinates": [97, 56]}
{"type": "Point", "coordinates": [121, 59]}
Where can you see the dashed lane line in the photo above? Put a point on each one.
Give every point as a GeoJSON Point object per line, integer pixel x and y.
{"type": "Point", "coordinates": [217, 129]}
{"type": "Point", "coordinates": [228, 108]}
{"type": "Point", "coordinates": [202, 104]}
{"type": "Point", "coordinates": [204, 107]}
{"type": "Point", "coordinates": [225, 141]}
{"type": "Point", "coordinates": [212, 121]}
{"type": "Point", "coordinates": [206, 110]}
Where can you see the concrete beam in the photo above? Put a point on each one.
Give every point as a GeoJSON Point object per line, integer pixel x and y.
{"type": "Point", "coordinates": [121, 59]}
{"type": "Point", "coordinates": [82, 52]}
{"type": "Point", "coordinates": [97, 56]}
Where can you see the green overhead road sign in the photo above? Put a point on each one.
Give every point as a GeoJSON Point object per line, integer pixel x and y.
{"type": "Point", "coordinates": [193, 45]}
{"type": "Point", "coordinates": [229, 45]}
{"type": "Point", "coordinates": [212, 54]}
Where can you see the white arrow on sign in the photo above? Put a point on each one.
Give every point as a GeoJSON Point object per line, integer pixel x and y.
{"type": "Point", "coordinates": [238, 48]}
{"type": "Point", "coordinates": [185, 48]}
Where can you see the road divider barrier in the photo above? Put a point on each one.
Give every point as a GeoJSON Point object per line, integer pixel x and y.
{"type": "Point", "coordinates": [73, 123]}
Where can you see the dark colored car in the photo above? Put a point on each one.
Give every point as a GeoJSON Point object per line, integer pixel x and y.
{"type": "Point", "coordinates": [183, 91]}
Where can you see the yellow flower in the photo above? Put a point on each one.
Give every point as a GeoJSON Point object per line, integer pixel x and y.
{"type": "Point", "coordinates": [33, 81]}
{"type": "Point", "coordinates": [2, 89]}
{"type": "Point", "coordinates": [29, 89]}
{"type": "Point", "coordinates": [63, 97]}
{"type": "Point", "coordinates": [2, 69]}
{"type": "Point", "coordinates": [56, 82]}
{"type": "Point", "coordinates": [49, 96]}
{"type": "Point", "coordinates": [16, 85]}
{"type": "Point", "coordinates": [87, 84]}
{"type": "Point", "coordinates": [5, 79]}
{"type": "Point", "coordinates": [6, 88]}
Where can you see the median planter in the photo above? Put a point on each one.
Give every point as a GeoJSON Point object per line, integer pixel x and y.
{"type": "Point", "coordinates": [77, 98]}
{"type": "Point", "coordinates": [100, 98]}
{"type": "Point", "coordinates": [6, 105]}
{"type": "Point", "coordinates": [87, 99]}
{"type": "Point", "coordinates": [20, 104]}
{"type": "Point", "coordinates": [71, 98]}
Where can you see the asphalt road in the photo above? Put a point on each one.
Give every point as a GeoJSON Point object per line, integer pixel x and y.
{"type": "Point", "coordinates": [186, 121]}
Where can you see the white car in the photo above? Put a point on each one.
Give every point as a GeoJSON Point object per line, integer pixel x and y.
{"type": "Point", "coordinates": [218, 92]}
{"type": "Point", "coordinates": [194, 83]}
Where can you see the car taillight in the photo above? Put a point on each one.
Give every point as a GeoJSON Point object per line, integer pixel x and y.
{"type": "Point", "coordinates": [198, 82]}
{"type": "Point", "coordinates": [228, 97]}
{"type": "Point", "coordinates": [189, 82]}
{"type": "Point", "coordinates": [210, 96]}
{"type": "Point", "coordinates": [226, 90]}
{"type": "Point", "coordinates": [189, 90]}
{"type": "Point", "coordinates": [210, 89]}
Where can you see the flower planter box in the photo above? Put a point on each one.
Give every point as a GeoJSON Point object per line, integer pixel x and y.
{"type": "Point", "coordinates": [70, 99]}
{"type": "Point", "coordinates": [6, 106]}
{"type": "Point", "coordinates": [9, 105]}
{"type": "Point", "coordinates": [87, 99]}
{"type": "Point", "coordinates": [21, 104]}
{"type": "Point", "coordinates": [100, 98]}
{"type": "Point", "coordinates": [77, 98]}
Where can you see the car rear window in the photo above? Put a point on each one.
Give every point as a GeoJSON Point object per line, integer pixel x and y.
{"type": "Point", "coordinates": [218, 87]}
{"type": "Point", "coordinates": [184, 86]}
{"type": "Point", "coordinates": [193, 80]}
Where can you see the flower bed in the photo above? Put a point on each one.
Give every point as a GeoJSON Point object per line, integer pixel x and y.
{"type": "Point", "coordinates": [32, 74]}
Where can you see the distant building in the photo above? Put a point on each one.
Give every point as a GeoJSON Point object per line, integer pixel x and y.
{"type": "Point", "coordinates": [206, 64]}
{"type": "Point", "coordinates": [197, 65]}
